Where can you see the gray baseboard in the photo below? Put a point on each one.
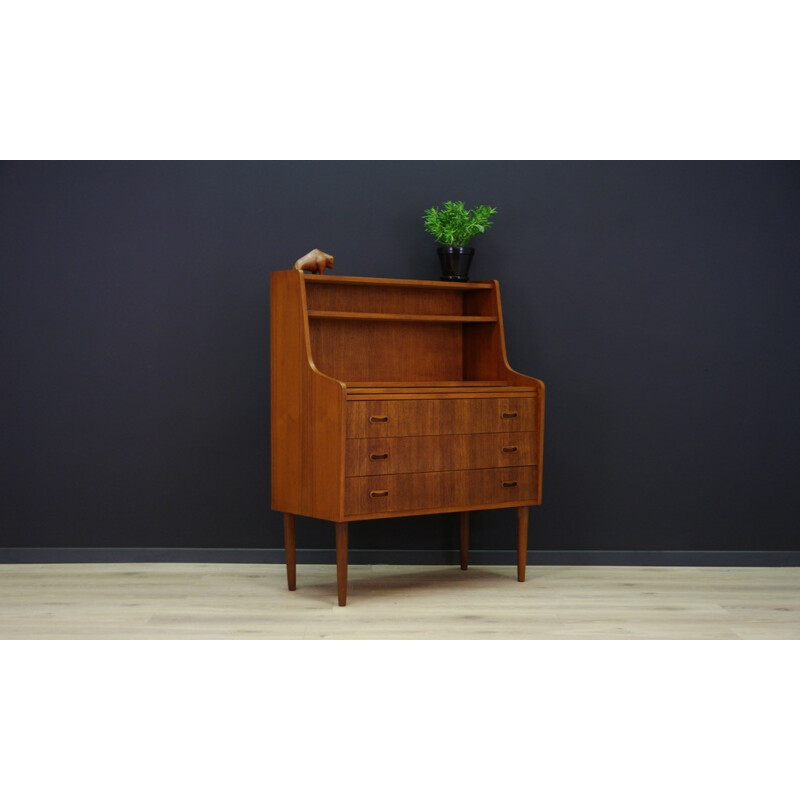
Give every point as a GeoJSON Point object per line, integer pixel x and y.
{"type": "Point", "coordinates": [660, 558]}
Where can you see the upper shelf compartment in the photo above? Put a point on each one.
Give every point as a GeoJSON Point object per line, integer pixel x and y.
{"type": "Point", "coordinates": [389, 300]}
{"type": "Point", "coordinates": [382, 329]}
{"type": "Point", "coordinates": [354, 280]}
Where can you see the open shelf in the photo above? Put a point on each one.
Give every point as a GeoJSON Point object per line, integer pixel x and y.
{"type": "Point", "coordinates": [405, 284]}
{"type": "Point", "coordinates": [431, 333]}
{"type": "Point", "coordinates": [362, 315]}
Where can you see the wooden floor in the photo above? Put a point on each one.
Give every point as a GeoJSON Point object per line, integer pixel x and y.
{"type": "Point", "coordinates": [211, 601]}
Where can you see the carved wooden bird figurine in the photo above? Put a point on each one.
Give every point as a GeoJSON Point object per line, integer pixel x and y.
{"type": "Point", "coordinates": [315, 261]}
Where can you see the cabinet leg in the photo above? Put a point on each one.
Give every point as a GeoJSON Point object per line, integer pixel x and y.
{"type": "Point", "coordinates": [522, 541]}
{"type": "Point", "coordinates": [291, 550]}
{"type": "Point", "coordinates": [341, 562]}
{"type": "Point", "coordinates": [464, 538]}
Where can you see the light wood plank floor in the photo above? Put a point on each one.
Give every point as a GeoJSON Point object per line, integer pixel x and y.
{"type": "Point", "coordinates": [243, 601]}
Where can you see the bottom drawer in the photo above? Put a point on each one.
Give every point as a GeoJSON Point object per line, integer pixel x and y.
{"type": "Point", "coordinates": [375, 494]}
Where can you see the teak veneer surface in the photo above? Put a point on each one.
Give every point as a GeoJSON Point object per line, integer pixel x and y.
{"type": "Point", "coordinates": [433, 490]}
{"type": "Point", "coordinates": [394, 397]}
{"type": "Point", "coordinates": [440, 416]}
{"type": "Point", "coordinates": [388, 455]}
{"type": "Point", "coordinates": [352, 299]}
{"type": "Point", "coordinates": [447, 388]}
{"type": "Point", "coordinates": [387, 350]}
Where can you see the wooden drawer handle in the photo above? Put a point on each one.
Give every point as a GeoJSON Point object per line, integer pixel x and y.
{"type": "Point", "coordinates": [510, 449]}
{"type": "Point", "coordinates": [382, 493]}
{"type": "Point", "coordinates": [509, 414]}
{"type": "Point", "coordinates": [379, 419]}
{"type": "Point", "coordinates": [378, 456]}
{"type": "Point", "coordinates": [509, 484]}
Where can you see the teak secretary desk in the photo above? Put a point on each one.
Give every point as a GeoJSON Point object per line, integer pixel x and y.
{"type": "Point", "coordinates": [392, 398]}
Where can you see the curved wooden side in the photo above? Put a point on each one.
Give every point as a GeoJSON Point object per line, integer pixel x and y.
{"type": "Point", "coordinates": [307, 413]}
{"type": "Point", "coordinates": [485, 357]}
{"type": "Point", "coordinates": [518, 379]}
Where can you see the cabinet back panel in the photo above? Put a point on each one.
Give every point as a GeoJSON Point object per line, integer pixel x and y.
{"type": "Point", "coordinates": [383, 300]}
{"type": "Point", "coordinates": [358, 350]}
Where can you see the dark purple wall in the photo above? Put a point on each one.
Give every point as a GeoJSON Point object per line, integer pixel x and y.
{"type": "Point", "coordinates": [658, 301]}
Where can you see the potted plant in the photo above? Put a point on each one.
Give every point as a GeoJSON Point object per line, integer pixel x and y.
{"type": "Point", "coordinates": [453, 226]}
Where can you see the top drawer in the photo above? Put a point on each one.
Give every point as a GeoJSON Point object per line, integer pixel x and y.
{"type": "Point", "coordinates": [370, 418]}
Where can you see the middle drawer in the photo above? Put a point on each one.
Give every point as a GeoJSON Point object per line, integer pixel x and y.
{"type": "Point", "coordinates": [391, 455]}
{"type": "Point", "coordinates": [370, 418]}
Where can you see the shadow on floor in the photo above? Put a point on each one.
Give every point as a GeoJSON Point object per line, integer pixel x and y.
{"type": "Point", "coordinates": [431, 582]}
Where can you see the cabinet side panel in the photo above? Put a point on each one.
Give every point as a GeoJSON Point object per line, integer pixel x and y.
{"type": "Point", "coordinates": [485, 358]}
{"type": "Point", "coordinates": [325, 425]}
{"type": "Point", "coordinates": [287, 361]}
{"type": "Point", "coordinates": [518, 379]}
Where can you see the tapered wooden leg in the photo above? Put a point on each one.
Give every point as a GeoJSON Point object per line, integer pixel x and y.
{"type": "Point", "coordinates": [464, 537]}
{"type": "Point", "coordinates": [522, 541]}
{"type": "Point", "coordinates": [291, 550]}
{"type": "Point", "coordinates": [341, 562]}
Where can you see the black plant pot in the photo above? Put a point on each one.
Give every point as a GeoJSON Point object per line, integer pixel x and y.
{"type": "Point", "coordinates": [455, 262]}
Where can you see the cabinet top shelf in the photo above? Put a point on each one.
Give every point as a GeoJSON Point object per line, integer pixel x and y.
{"type": "Point", "coordinates": [407, 284]}
{"type": "Point", "coordinates": [363, 315]}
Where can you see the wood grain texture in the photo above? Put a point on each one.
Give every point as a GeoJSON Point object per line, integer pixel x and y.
{"type": "Point", "coordinates": [307, 418]}
{"type": "Point", "coordinates": [420, 390]}
{"type": "Point", "coordinates": [424, 394]}
{"type": "Point", "coordinates": [393, 397]}
{"type": "Point", "coordinates": [387, 455]}
{"type": "Point", "coordinates": [518, 379]}
{"type": "Point", "coordinates": [484, 346]}
{"type": "Point", "coordinates": [440, 416]}
{"type": "Point", "coordinates": [287, 393]}
{"type": "Point", "coordinates": [439, 491]}
{"type": "Point", "coordinates": [383, 351]}
{"type": "Point", "coordinates": [371, 299]}
{"type": "Point", "coordinates": [485, 358]}
{"type": "Point", "coordinates": [306, 411]}
{"type": "Point", "coordinates": [250, 601]}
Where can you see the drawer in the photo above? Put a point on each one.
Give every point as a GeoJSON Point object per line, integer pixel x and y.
{"type": "Point", "coordinates": [380, 418]}
{"type": "Point", "coordinates": [389, 455]}
{"type": "Point", "coordinates": [375, 494]}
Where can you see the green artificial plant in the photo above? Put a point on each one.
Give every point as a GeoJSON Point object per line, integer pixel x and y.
{"type": "Point", "coordinates": [452, 225]}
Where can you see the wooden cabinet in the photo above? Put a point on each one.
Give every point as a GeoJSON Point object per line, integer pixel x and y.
{"type": "Point", "coordinates": [393, 398]}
